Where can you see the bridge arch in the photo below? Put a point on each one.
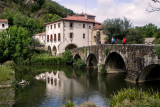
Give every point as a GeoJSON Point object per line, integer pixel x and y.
{"type": "Point", "coordinates": [76, 57]}
{"type": "Point", "coordinates": [71, 46]}
{"type": "Point", "coordinates": [115, 63]}
{"type": "Point", "coordinates": [150, 73]}
{"type": "Point", "coordinates": [91, 60]}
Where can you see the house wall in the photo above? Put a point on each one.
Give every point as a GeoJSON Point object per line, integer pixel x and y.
{"type": "Point", "coordinates": [5, 25]}
{"type": "Point", "coordinates": [93, 37]}
{"type": "Point", "coordinates": [41, 38]}
{"type": "Point", "coordinates": [65, 31]}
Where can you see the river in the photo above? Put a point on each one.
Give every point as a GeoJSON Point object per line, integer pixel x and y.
{"type": "Point", "coordinates": [51, 86]}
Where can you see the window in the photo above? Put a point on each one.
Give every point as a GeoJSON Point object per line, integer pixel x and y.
{"type": "Point", "coordinates": [93, 24]}
{"type": "Point", "coordinates": [55, 26]}
{"type": "Point", "coordinates": [89, 27]}
{"type": "Point", "coordinates": [71, 24]}
{"type": "Point", "coordinates": [47, 38]}
{"type": "Point", "coordinates": [51, 26]}
{"type": "Point", "coordinates": [84, 35]}
{"type": "Point", "coordinates": [3, 25]}
{"type": "Point", "coordinates": [83, 25]}
{"type": "Point", "coordinates": [55, 37]}
{"type": "Point", "coordinates": [51, 38]}
{"type": "Point", "coordinates": [59, 25]}
{"type": "Point", "coordinates": [71, 35]}
{"type": "Point", "coordinates": [59, 37]}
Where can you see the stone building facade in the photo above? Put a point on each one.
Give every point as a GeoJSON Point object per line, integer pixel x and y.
{"type": "Point", "coordinates": [70, 32]}
{"type": "Point", "coordinates": [97, 35]}
{"type": "Point", "coordinates": [41, 37]}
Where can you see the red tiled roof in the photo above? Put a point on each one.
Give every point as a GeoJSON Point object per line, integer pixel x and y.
{"type": "Point", "coordinates": [76, 18]}
{"type": "Point", "coordinates": [39, 34]}
{"type": "Point", "coordinates": [3, 20]}
{"type": "Point", "coordinates": [97, 27]}
{"type": "Point", "coordinates": [79, 18]}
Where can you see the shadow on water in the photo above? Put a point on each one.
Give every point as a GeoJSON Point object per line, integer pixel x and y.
{"type": "Point", "coordinates": [52, 86]}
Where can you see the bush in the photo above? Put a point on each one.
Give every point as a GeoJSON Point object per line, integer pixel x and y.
{"type": "Point", "coordinates": [157, 50]}
{"type": "Point", "coordinates": [10, 64]}
{"type": "Point", "coordinates": [48, 61]}
{"type": "Point", "coordinates": [70, 104]}
{"type": "Point", "coordinates": [5, 73]}
{"type": "Point", "coordinates": [80, 63]}
{"type": "Point", "coordinates": [135, 98]}
{"type": "Point", "coordinates": [102, 68]}
{"type": "Point", "coordinates": [68, 58]}
{"type": "Point", "coordinates": [107, 51]}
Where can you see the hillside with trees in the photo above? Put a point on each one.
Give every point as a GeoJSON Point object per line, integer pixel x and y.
{"type": "Point", "coordinates": [25, 18]}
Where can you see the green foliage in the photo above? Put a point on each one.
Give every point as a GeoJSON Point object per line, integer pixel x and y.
{"type": "Point", "coordinates": [4, 52]}
{"type": "Point", "coordinates": [80, 64]}
{"type": "Point", "coordinates": [68, 58]}
{"type": "Point", "coordinates": [134, 36]}
{"type": "Point", "coordinates": [157, 50]}
{"type": "Point", "coordinates": [98, 37]}
{"type": "Point", "coordinates": [5, 73]}
{"type": "Point", "coordinates": [116, 27]}
{"type": "Point", "coordinates": [83, 50]}
{"type": "Point", "coordinates": [134, 98]}
{"type": "Point", "coordinates": [102, 68]}
{"type": "Point", "coordinates": [70, 104]}
{"type": "Point", "coordinates": [107, 51]}
{"type": "Point", "coordinates": [50, 18]}
{"type": "Point", "coordinates": [9, 64]}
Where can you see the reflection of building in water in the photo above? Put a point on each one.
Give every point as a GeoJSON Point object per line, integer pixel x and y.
{"type": "Point", "coordinates": [57, 84]}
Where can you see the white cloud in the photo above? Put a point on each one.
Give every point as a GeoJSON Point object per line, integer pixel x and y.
{"type": "Point", "coordinates": [134, 10]}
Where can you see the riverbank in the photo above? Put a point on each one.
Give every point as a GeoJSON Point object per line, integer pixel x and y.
{"type": "Point", "coordinates": [135, 98]}
{"type": "Point", "coordinates": [7, 92]}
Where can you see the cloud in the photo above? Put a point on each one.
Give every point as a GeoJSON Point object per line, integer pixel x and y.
{"type": "Point", "coordinates": [134, 10]}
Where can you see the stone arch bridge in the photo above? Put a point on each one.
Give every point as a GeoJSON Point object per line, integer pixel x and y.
{"type": "Point", "coordinates": [140, 62]}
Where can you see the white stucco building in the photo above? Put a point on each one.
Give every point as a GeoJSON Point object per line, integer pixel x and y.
{"type": "Point", "coordinates": [3, 24]}
{"type": "Point", "coordinates": [70, 32]}
{"type": "Point", "coordinates": [41, 37]}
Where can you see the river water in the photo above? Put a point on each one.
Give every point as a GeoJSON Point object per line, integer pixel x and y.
{"type": "Point", "coordinates": [51, 86]}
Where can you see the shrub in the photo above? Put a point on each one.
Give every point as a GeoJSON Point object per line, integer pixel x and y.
{"type": "Point", "coordinates": [102, 68]}
{"type": "Point", "coordinates": [70, 104]}
{"type": "Point", "coordinates": [134, 98]}
{"type": "Point", "coordinates": [157, 50]}
{"type": "Point", "coordinates": [80, 63]}
{"type": "Point", "coordinates": [10, 64]}
{"type": "Point", "coordinates": [5, 73]}
{"type": "Point", "coordinates": [68, 58]}
{"type": "Point", "coordinates": [107, 51]}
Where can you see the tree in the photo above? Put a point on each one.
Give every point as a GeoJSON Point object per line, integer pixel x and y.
{"type": "Point", "coordinates": [4, 52]}
{"type": "Point", "coordinates": [19, 41]}
{"type": "Point", "coordinates": [152, 8]}
{"type": "Point", "coordinates": [134, 37]}
{"type": "Point", "coordinates": [50, 18]}
{"type": "Point", "coordinates": [116, 27]}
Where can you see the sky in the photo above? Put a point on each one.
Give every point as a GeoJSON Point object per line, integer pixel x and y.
{"type": "Point", "coordinates": [134, 10]}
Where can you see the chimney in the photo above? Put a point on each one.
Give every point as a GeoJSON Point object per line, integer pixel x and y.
{"type": "Point", "coordinates": [68, 15]}
{"type": "Point", "coordinates": [86, 16]}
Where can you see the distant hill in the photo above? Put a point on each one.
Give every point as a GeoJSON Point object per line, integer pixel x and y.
{"type": "Point", "coordinates": [32, 14]}
{"type": "Point", "coordinates": [35, 8]}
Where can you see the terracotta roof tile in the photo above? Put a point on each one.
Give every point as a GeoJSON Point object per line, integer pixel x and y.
{"type": "Point", "coordinates": [79, 18]}
{"type": "Point", "coordinates": [76, 18]}
{"type": "Point", "coordinates": [97, 27]}
{"type": "Point", "coordinates": [39, 34]}
{"type": "Point", "coordinates": [3, 20]}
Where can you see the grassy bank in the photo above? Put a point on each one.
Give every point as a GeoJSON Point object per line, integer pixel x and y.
{"type": "Point", "coordinates": [6, 74]}
{"type": "Point", "coordinates": [135, 98]}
